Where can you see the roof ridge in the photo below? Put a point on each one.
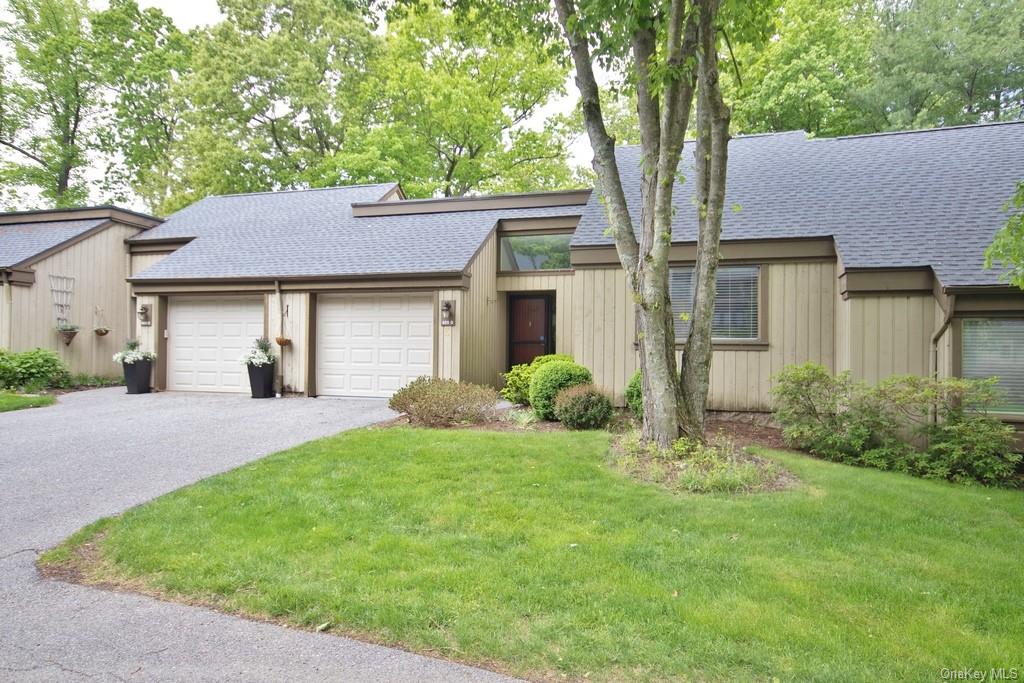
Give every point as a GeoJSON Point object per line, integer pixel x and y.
{"type": "Point", "coordinates": [306, 189]}
{"type": "Point", "coordinates": [936, 129]}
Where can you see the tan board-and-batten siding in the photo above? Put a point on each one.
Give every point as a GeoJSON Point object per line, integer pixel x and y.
{"type": "Point", "coordinates": [595, 323]}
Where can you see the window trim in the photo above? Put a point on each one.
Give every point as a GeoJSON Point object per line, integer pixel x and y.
{"type": "Point", "coordinates": [760, 343]}
{"type": "Point", "coordinates": [501, 234]}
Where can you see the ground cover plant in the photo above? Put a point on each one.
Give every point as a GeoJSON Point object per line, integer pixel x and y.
{"type": "Point", "coordinates": [527, 553]}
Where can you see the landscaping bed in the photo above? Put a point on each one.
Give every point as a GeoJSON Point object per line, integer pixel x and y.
{"type": "Point", "coordinates": [525, 553]}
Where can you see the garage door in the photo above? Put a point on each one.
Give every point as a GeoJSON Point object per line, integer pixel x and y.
{"type": "Point", "coordinates": [205, 339]}
{"type": "Point", "coordinates": [372, 345]}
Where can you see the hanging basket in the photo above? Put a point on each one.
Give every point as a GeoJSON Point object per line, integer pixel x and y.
{"type": "Point", "coordinates": [67, 336]}
{"type": "Point", "coordinates": [283, 341]}
{"type": "Point", "coordinates": [102, 331]}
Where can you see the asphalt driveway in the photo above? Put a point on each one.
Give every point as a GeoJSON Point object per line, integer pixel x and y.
{"type": "Point", "coordinates": [99, 452]}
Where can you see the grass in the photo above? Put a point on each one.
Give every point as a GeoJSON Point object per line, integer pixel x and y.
{"type": "Point", "coordinates": [13, 401]}
{"type": "Point", "coordinates": [528, 553]}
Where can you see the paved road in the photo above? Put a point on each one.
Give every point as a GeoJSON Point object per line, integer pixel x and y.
{"type": "Point", "coordinates": [99, 452]}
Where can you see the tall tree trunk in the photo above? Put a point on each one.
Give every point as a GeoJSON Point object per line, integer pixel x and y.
{"type": "Point", "coordinates": [711, 157]}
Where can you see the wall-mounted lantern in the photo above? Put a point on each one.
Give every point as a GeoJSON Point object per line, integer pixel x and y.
{"type": "Point", "coordinates": [447, 313]}
{"type": "Point", "coordinates": [145, 315]}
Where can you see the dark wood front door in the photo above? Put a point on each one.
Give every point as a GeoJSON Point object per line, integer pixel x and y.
{"type": "Point", "coordinates": [529, 327]}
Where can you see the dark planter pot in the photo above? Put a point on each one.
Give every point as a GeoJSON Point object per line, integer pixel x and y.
{"type": "Point", "coordinates": [261, 380]}
{"type": "Point", "coordinates": [136, 376]}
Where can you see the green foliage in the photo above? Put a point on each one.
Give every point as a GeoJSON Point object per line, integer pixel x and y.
{"type": "Point", "coordinates": [443, 402]}
{"type": "Point", "coordinates": [446, 98]}
{"type": "Point", "coordinates": [549, 379]}
{"type": "Point", "coordinates": [36, 369]}
{"type": "Point", "coordinates": [635, 395]}
{"type": "Point", "coordinates": [517, 379]}
{"type": "Point", "coordinates": [46, 100]}
{"type": "Point", "coordinates": [1007, 249]}
{"type": "Point", "coordinates": [583, 406]}
{"type": "Point", "coordinates": [694, 467]}
{"type": "Point", "coordinates": [878, 426]}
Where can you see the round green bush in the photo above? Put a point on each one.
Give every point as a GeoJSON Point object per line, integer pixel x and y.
{"type": "Point", "coordinates": [549, 379]}
{"type": "Point", "coordinates": [37, 369]}
{"type": "Point", "coordinates": [583, 407]}
{"type": "Point", "coordinates": [517, 379]}
{"type": "Point", "coordinates": [635, 395]}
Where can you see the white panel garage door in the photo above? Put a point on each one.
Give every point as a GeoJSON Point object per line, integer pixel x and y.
{"type": "Point", "coordinates": [372, 345]}
{"type": "Point", "coordinates": [206, 337]}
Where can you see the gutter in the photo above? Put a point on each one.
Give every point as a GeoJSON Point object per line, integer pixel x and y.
{"type": "Point", "coordinates": [8, 303]}
{"type": "Point", "coordinates": [933, 360]}
{"type": "Point", "coordinates": [280, 327]}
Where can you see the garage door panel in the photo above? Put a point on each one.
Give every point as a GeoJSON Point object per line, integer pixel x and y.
{"type": "Point", "coordinates": [389, 343]}
{"type": "Point", "coordinates": [206, 338]}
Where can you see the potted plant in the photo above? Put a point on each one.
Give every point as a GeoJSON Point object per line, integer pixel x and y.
{"type": "Point", "coordinates": [260, 360]}
{"type": "Point", "coordinates": [101, 331]}
{"type": "Point", "coordinates": [138, 366]}
{"type": "Point", "coordinates": [67, 332]}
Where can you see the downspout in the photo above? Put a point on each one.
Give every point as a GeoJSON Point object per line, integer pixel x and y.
{"type": "Point", "coordinates": [8, 295]}
{"type": "Point", "coordinates": [280, 326]}
{"type": "Point", "coordinates": [933, 361]}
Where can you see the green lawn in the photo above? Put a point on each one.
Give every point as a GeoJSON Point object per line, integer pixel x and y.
{"type": "Point", "coordinates": [12, 401]}
{"type": "Point", "coordinates": [525, 552]}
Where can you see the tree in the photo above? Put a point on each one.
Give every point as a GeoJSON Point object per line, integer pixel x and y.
{"type": "Point", "coordinates": [947, 62]}
{"type": "Point", "coordinates": [669, 52]}
{"type": "Point", "coordinates": [271, 96]}
{"type": "Point", "coordinates": [1007, 248]}
{"type": "Point", "coordinates": [48, 94]}
{"type": "Point", "coordinates": [809, 77]}
{"type": "Point", "coordinates": [450, 106]}
{"type": "Point", "coordinates": [141, 57]}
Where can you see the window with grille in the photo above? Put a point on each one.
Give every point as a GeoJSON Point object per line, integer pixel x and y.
{"type": "Point", "coordinates": [736, 305]}
{"type": "Point", "coordinates": [995, 348]}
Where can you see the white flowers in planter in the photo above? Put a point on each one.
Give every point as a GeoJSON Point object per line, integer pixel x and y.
{"type": "Point", "coordinates": [132, 354]}
{"type": "Point", "coordinates": [259, 354]}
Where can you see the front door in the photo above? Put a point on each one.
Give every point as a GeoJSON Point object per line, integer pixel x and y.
{"type": "Point", "coordinates": [529, 327]}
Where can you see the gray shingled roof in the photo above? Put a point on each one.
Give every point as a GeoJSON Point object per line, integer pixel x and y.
{"type": "Point", "coordinates": [22, 241]}
{"type": "Point", "coordinates": [924, 198]}
{"type": "Point", "coordinates": [312, 233]}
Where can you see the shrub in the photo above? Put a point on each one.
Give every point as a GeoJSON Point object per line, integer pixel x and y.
{"type": "Point", "coordinates": [444, 403]}
{"type": "Point", "coordinates": [39, 368]}
{"type": "Point", "coordinates": [635, 395]}
{"type": "Point", "coordinates": [583, 407]}
{"type": "Point", "coordinates": [517, 379]}
{"type": "Point", "coordinates": [878, 426]}
{"type": "Point", "coordinates": [549, 379]}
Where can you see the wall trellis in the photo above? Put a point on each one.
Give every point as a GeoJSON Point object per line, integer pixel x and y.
{"type": "Point", "coordinates": [62, 289]}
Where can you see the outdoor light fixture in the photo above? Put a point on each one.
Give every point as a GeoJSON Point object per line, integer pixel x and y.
{"type": "Point", "coordinates": [144, 315]}
{"type": "Point", "coordinates": [447, 313]}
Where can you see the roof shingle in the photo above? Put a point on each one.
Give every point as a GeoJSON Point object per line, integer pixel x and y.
{"type": "Point", "coordinates": [921, 198]}
{"type": "Point", "coordinates": [21, 241]}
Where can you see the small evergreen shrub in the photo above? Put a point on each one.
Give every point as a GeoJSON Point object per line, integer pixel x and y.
{"type": "Point", "coordinates": [36, 369]}
{"type": "Point", "coordinates": [932, 428]}
{"type": "Point", "coordinates": [437, 402]}
{"type": "Point", "coordinates": [517, 379]}
{"type": "Point", "coordinates": [583, 407]}
{"type": "Point", "coordinates": [549, 379]}
{"type": "Point", "coordinates": [635, 395]}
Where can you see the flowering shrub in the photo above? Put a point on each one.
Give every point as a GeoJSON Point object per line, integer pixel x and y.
{"type": "Point", "coordinates": [132, 354]}
{"type": "Point", "coordinates": [259, 354]}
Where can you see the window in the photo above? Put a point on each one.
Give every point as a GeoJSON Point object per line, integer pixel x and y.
{"type": "Point", "coordinates": [995, 348]}
{"type": "Point", "coordinates": [736, 305]}
{"type": "Point", "coordinates": [535, 252]}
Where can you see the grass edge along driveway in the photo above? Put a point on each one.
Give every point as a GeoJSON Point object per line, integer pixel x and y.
{"type": "Point", "coordinates": [12, 401]}
{"type": "Point", "coordinates": [524, 552]}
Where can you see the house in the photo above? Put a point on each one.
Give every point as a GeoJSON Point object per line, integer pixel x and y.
{"type": "Point", "coordinates": [862, 253]}
{"type": "Point", "coordinates": [67, 267]}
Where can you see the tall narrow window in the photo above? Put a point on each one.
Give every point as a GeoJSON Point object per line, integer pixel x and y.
{"type": "Point", "coordinates": [995, 348]}
{"type": "Point", "coordinates": [736, 305]}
